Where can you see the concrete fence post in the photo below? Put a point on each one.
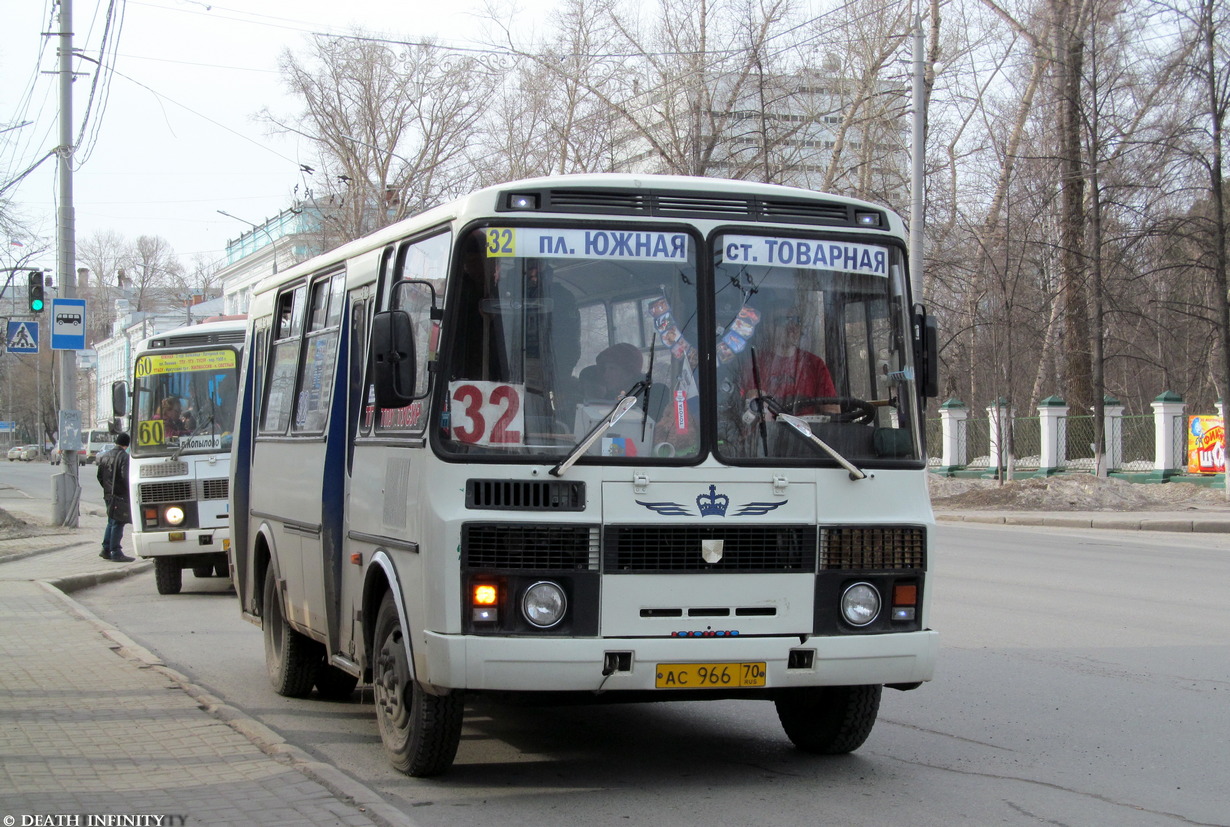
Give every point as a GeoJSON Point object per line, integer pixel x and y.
{"type": "Point", "coordinates": [1168, 458]}
{"type": "Point", "coordinates": [1112, 425]}
{"type": "Point", "coordinates": [954, 452]}
{"type": "Point", "coordinates": [1052, 421]}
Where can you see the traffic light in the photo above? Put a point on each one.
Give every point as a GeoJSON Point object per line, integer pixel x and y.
{"type": "Point", "coordinates": [35, 292]}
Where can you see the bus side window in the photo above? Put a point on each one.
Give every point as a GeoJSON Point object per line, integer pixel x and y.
{"type": "Point", "coordinates": [279, 391]}
{"type": "Point", "coordinates": [423, 260]}
{"type": "Point", "coordinates": [314, 388]}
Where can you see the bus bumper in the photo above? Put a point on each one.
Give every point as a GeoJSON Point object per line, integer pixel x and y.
{"type": "Point", "coordinates": [576, 664]}
{"type": "Point", "coordinates": [181, 543]}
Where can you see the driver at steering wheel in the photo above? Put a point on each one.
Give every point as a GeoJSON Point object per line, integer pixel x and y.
{"type": "Point", "coordinates": [789, 374]}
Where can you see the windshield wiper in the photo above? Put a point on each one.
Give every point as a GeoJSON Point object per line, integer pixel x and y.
{"type": "Point", "coordinates": [804, 430]}
{"type": "Point", "coordinates": [605, 424]}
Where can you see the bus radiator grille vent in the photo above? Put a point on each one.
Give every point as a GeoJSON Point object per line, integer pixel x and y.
{"type": "Point", "coordinates": [525, 546]}
{"type": "Point", "coordinates": [657, 549]}
{"type": "Point", "coordinates": [167, 492]}
{"type": "Point", "coordinates": [845, 548]}
{"type": "Point", "coordinates": [525, 495]}
{"type": "Point", "coordinates": [164, 469]}
{"type": "Point", "coordinates": [215, 489]}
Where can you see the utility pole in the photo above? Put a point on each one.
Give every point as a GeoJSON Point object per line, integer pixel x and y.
{"type": "Point", "coordinates": [66, 486]}
{"type": "Point", "coordinates": [917, 185]}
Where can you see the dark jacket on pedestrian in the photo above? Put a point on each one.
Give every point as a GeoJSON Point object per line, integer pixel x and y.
{"type": "Point", "coordinates": [113, 476]}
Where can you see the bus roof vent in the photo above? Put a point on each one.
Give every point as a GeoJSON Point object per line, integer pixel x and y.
{"type": "Point", "coordinates": [676, 204]}
{"type": "Point", "coordinates": [809, 212]}
{"type": "Point", "coordinates": [616, 201]}
{"type": "Point", "coordinates": [525, 495]}
{"type": "Point", "coordinates": [222, 337]}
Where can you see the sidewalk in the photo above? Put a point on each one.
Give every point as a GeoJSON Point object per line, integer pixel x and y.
{"type": "Point", "coordinates": [91, 723]}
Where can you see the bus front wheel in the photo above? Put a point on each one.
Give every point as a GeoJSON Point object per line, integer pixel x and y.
{"type": "Point", "coordinates": [829, 720]}
{"type": "Point", "coordinates": [292, 659]}
{"type": "Point", "coordinates": [168, 576]}
{"type": "Point", "coordinates": [420, 731]}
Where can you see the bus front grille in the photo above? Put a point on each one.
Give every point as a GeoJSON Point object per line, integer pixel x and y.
{"type": "Point", "coordinates": [183, 491]}
{"type": "Point", "coordinates": [873, 547]}
{"type": "Point", "coordinates": [167, 492]}
{"type": "Point", "coordinates": [525, 546]}
{"type": "Point", "coordinates": [655, 549]}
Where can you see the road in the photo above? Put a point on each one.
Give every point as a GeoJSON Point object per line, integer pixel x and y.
{"type": "Point", "coordinates": [1083, 680]}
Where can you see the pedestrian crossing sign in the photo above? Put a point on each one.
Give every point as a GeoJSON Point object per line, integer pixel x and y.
{"type": "Point", "coordinates": [22, 337]}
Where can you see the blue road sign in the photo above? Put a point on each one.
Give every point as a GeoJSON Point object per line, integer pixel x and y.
{"type": "Point", "coordinates": [68, 324]}
{"type": "Point", "coordinates": [22, 337]}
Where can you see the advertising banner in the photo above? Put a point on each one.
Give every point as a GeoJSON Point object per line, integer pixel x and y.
{"type": "Point", "coordinates": [1206, 445]}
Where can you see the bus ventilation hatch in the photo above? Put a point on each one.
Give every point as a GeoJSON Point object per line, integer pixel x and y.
{"type": "Point", "coordinates": [525, 495]}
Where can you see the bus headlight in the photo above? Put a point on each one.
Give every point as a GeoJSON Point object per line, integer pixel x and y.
{"type": "Point", "coordinates": [174, 515]}
{"type": "Point", "coordinates": [544, 604]}
{"type": "Point", "coordinates": [860, 604]}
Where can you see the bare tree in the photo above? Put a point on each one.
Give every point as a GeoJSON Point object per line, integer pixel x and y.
{"type": "Point", "coordinates": [392, 122]}
{"type": "Point", "coordinates": [151, 267]}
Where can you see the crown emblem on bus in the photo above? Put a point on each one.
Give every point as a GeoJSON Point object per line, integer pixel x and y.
{"type": "Point", "coordinates": [712, 504]}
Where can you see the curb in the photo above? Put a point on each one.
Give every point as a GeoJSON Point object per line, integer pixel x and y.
{"type": "Point", "coordinates": [343, 787]}
{"type": "Point", "coordinates": [76, 582]}
{"type": "Point", "coordinates": [1110, 521]}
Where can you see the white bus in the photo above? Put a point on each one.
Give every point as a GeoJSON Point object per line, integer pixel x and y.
{"type": "Point", "coordinates": [560, 437]}
{"type": "Point", "coordinates": [183, 399]}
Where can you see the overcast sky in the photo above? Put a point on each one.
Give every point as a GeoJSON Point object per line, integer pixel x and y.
{"type": "Point", "coordinates": [173, 137]}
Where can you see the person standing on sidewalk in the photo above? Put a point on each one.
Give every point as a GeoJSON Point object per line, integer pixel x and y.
{"type": "Point", "coordinates": [113, 476]}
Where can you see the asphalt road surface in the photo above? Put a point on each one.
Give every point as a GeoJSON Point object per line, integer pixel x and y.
{"type": "Point", "coordinates": [1084, 679]}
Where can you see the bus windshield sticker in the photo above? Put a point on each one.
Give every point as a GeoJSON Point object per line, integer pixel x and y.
{"type": "Point", "coordinates": [487, 413]}
{"type": "Point", "coordinates": [624, 245]}
{"type": "Point", "coordinates": [806, 254]}
{"type": "Point", "coordinates": [155, 363]}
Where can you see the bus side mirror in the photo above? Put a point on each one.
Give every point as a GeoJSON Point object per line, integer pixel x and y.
{"type": "Point", "coordinates": [927, 353]}
{"type": "Point", "coordinates": [119, 399]}
{"type": "Point", "coordinates": [393, 358]}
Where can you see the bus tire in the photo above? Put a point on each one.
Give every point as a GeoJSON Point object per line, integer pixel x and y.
{"type": "Point", "coordinates": [420, 731]}
{"type": "Point", "coordinates": [335, 684]}
{"type": "Point", "coordinates": [829, 720]}
{"type": "Point", "coordinates": [292, 659]}
{"type": "Point", "coordinates": [203, 571]}
{"type": "Point", "coordinates": [168, 576]}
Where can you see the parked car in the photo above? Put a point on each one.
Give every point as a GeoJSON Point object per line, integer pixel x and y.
{"type": "Point", "coordinates": [30, 453]}
{"type": "Point", "coordinates": [15, 452]}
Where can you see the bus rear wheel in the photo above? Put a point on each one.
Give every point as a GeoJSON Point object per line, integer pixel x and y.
{"type": "Point", "coordinates": [420, 731]}
{"type": "Point", "coordinates": [829, 720]}
{"type": "Point", "coordinates": [168, 576]}
{"type": "Point", "coordinates": [292, 659]}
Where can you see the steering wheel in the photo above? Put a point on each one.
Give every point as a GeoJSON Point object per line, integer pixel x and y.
{"type": "Point", "coordinates": [853, 410]}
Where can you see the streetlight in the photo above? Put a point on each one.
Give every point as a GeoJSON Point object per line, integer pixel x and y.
{"type": "Point", "coordinates": [272, 241]}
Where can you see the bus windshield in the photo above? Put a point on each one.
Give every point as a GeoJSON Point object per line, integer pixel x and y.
{"type": "Point", "coordinates": [184, 401]}
{"type": "Point", "coordinates": [818, 329]}
{"type": "Point", "coordinates": [555, 324]}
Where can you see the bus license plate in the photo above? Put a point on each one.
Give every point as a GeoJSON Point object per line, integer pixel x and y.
{"type": "Point", "coordinates": [709, 675]}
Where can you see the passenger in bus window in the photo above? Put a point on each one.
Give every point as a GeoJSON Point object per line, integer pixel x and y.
{"type": "Point", "coordinates": [172, 416]}
{"type": "Point", "coordinates": [614, 371]}
{"type": "Point", "coordinates": [788, 373]}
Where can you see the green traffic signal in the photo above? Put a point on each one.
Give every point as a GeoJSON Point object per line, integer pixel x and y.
{"type": "Point", "coordinates": [34, 291]}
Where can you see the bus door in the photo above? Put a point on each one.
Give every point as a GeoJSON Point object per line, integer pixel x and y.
{"type": "Point", "coordinates": [319, 451]}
